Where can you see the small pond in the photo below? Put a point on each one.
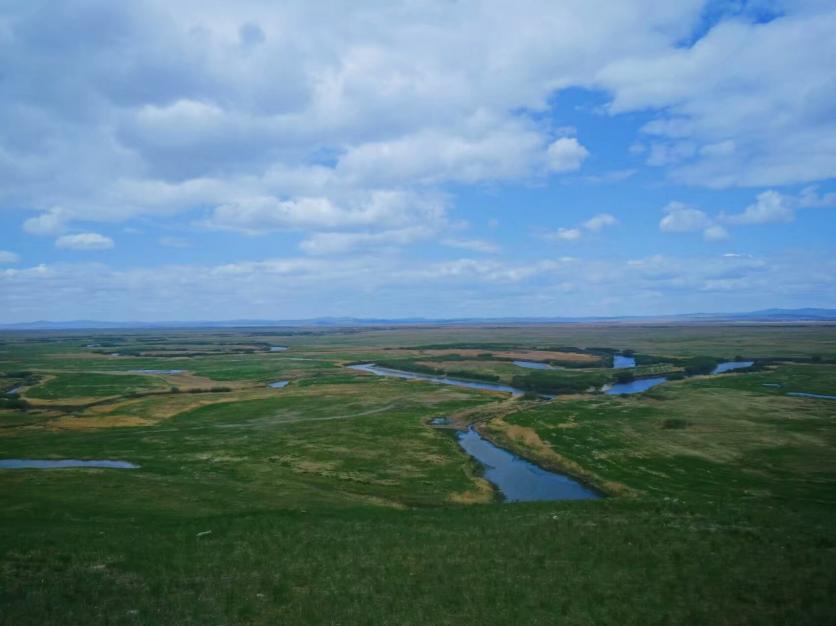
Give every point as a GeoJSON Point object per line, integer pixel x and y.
{"type": "Point", "coordinates": [62, 463]}
{"type": "Point", "coordinates": [517, 479]}
{"type": "Point", "coordinates": [620, 362]}
{"type": "Point", "coordinates": [279, 384]}
{"type": "Point", "coordinates": [278, 348]}
{"type": "Point", "coordinates": [534, 365]}
{"type": "Point", "coordinates": [440, 421]}
{"type": "Point", "coordinates": [15, 391]}
{"type": "Point", "coordinates": [731, 365]}
{"type": "Point", "coordinates": [636, 386]}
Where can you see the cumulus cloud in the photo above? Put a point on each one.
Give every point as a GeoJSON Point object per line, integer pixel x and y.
{"type": "Point", "coordinates": [173, 108]}
{"type": "Point", "coordinates": [770, 206]}
{"type": "Point", "coordinates": [384, 217]}
{"type": "Point", "coordinates": [206, 104]}
{"type": "Point", "coordinates": [682, 218]}
{"type": "Point", "coordinates": [348, 129]}
{"type": "Point", "coordinates": [8, 257]}
{"type": "Point", "coordinates": [600, 221]}
{"type": "Point", "coordinates": [566, 154]}
{"type": "Point", "coordinates": [51, 222]}
{"type": "Point", "coordinates": [747, 123]}
{"type": "Point", "coordinates": [810, 198]}
{"type": "Point", "coordinates": [773, 206]}
{"type": "Point", "coordinates": [592, 225]}
{"type": "Point", "coordinates": [84, 241]}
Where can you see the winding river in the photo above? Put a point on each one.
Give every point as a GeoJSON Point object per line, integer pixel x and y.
{"type": "Point", "coordinates": [519, 480]}
{"type": "Point", "coordinates": [441, 380]}
{"type": "Point", "coordinates": [731, 365]}
{"type": "Point", "coordinates": [535, 365]}
{"type": "Point", "coordinates": [635, 386]}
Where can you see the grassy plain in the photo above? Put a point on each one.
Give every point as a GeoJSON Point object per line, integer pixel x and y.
{"type": "Point", "coordinates": [333, 501]}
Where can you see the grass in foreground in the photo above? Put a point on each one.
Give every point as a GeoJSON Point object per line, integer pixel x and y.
{"type": "Point", "coordinates": [331, 501]}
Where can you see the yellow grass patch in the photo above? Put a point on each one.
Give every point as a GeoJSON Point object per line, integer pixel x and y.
{"type": "Point", "coordinates": [482, 494]}
{"type": "Point", "coordinates": [106, 421]}
{"type": "Point", "coordinates": [526, 442]}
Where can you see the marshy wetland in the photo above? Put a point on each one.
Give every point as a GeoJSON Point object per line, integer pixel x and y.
{"type": "Point", "coordinates": [348, 496]}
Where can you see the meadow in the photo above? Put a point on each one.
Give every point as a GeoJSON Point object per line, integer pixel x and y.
{"type": "Point", "coordinates": [334, 500]}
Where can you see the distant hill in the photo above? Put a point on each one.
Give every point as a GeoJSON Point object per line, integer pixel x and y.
{"type": "Point", "coordinates": [766, 315]}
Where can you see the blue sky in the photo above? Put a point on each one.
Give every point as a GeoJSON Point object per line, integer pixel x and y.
{"type": "Point", "coordinates": [209, 160]}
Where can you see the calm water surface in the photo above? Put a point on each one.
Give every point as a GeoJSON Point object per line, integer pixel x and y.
{"type": "Point", "coordinates": [442, 380]}
{"type": "Point", "coordinates": [731, 365]}
{"type": "Point", "coordinates": [818, 396]}
{"type": "Point", "coordinates": [62, 463]}
{"type": "Point", "coordinates": [278, 348]}
{"type": "Point", "coordinates": [636, 386]}
{"type": "Point", "coordinates": [621, 362]}
{"type": "Point", "coordinates": [534, 365]}
{"type": "Point", "coordinates": [517, 479]}
{"type": "Point", "coordinates": [279, 384]}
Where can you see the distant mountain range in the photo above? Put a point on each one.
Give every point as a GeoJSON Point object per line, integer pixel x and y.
{"type": "Point", "coordinates": [766, 315]}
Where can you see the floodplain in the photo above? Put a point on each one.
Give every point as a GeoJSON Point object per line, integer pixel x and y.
{"type": "Point", "coordinates": [344, 497]}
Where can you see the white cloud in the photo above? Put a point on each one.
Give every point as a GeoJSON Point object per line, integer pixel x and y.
{"type": "Point", "coordinates": [770, 206]}
{"type": "Point", "coordinates": [600, 221]}
{"type": "Point", "coordinates": [566, 154]}
{"type": "Point", "coordinates": [810, 198]}
{"type": "Point", "coordinates": [381, 209]}
{"type": "Point", "coordinates": [490, 150]}
{"type": "Point", "coordinates": [226, 105]}
{"type": "Point", "coordinates": [347, 128]}
{"type": "Point", "coordinates": [341, 243]}
{"type": "Point", "coordinates": [566, 234]}
{"type": "Point", "coordinates": [592, 225]}
{"type": "Point", "coordinates": [294, 287]}
{"type": "Point", "coordinates": [8, 257]}
{"type": "Point", "coordinates": [475, 245]}
{"type": "Point", "coordinates": [761, 120]}
{"type": "Point", "coordinates": [84, 241]}
{"type": "Point", "coordinates": [715, 233]}
{"type": "Point", "coordinates": [681, 218]}
{"type": "Point", "coordinates": [51, 222]}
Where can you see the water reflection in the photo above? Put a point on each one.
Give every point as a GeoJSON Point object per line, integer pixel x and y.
{"type": "Point", "coordinates": [517, 479]}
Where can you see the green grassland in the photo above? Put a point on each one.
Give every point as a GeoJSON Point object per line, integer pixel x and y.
{"type": "Point", "coordinates": [333, 501]}
{"type": "Point", "coordinates": [75, 385]}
